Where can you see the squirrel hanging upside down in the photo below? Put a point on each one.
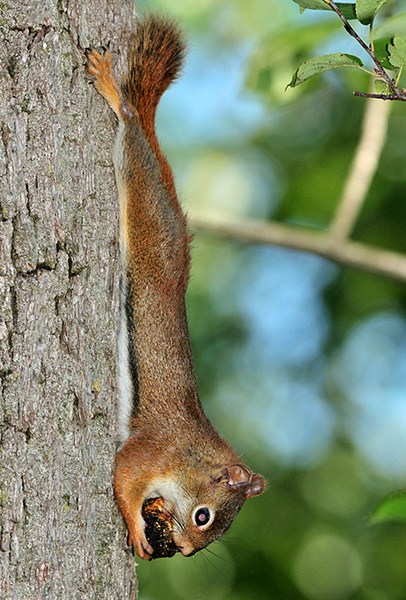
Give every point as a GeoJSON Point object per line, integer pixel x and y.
{"type": "Point", "coordinates": [170, 451]}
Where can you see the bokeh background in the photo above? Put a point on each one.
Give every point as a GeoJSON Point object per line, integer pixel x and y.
{"type": "Point", "coordinates": [301, 363]}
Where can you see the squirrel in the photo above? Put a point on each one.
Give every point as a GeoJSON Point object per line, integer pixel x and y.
{"type": "Point", "coordinates": [169, 449]}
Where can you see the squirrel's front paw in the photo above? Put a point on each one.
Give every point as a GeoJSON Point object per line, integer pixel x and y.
{"type": "Point", "coordinates": [138, 540]}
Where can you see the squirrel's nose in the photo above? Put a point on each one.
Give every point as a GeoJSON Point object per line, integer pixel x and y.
{"type": "Point", "coordinates": [187, 551]}
{"type": "Point", "coordinates": [184, 545]}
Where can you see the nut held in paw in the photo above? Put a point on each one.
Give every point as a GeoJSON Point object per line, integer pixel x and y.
{"type": "Point", "coordinates": [158, 529]}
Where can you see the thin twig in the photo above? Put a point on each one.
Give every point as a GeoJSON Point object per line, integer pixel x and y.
{"type": "Point", "coordinates": [378, 67]}
{"type": "Point", "coordinates": [363, 168]}
{"type": "Point", "coordinates": [402, 97]}
{"type": "Point", "coordinates": [354, 254]}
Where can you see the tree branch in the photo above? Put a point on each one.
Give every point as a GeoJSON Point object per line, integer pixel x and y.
{"type": "Point", "coordinates": [363, 168]}
{"type": "Point", "coordinates": [378, 67]}
{"type": "Point", "coordinates": [402, 98]}
{"type": "Point", "coordinates": [354, 254]}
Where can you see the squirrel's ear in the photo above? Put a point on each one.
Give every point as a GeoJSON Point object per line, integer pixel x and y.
{"type": "Point", "coordinates": [240, 476]}
{"type": "Point", "coordinates": [256, 486]}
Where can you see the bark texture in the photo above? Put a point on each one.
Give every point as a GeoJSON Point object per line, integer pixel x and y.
{"type": "Point", "coordinates": [61, 533]}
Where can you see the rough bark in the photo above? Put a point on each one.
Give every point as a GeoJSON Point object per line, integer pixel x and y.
{"type": "Point", "coordinates": [61, 533]}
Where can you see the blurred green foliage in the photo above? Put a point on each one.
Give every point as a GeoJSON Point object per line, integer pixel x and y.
{"type": "Point", "coordinates": [392, 508]}
{"type": "Point", "coordinates": [300, 363]}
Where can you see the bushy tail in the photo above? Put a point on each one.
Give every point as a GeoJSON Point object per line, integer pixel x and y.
{"type": "Point", "coordinates": [155, 58]}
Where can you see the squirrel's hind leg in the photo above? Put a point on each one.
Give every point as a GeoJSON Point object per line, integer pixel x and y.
{"type": "Point", "coordinates": [100, 68]}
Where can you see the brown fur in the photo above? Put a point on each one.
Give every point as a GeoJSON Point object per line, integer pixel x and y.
{"type": "Point", "coordinates": [155, 57]}
{"type": "Point", "coordinates": [171, 442]}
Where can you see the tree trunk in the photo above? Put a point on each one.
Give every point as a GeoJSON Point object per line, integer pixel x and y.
{"type": "Point", "coordinates": [61, 533]}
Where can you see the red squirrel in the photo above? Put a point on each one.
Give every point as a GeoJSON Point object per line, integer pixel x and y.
{"type": "Point", "coordinates": [169, 448]}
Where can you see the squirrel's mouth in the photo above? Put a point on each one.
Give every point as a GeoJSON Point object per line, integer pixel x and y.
{"type": "Point", "coordinates": [184, 545]}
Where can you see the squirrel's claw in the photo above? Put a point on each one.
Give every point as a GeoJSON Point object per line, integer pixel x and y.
{"type": "Point", "coordinates": [139, 541]}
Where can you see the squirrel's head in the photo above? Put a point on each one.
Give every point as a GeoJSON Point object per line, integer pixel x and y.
{"type": "Point", "coordinates": [205, 511]}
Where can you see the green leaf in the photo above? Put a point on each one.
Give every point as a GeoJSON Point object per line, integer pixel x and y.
{"type": "Point", "coordinates": [381, 49]}
{"type": "Point", "coordinates": [367, 9]}
{"type": "Point", "coordinates": [319, 64]}
{"type": "Point", "coordinates": [347, 8]}
{"type": "Point", "coordinates": [392, 26]}
{"type": "Point", "coordinates": [381, 86]}
{"type": "Point", "coordinates": [397, 52]}
{"type": "Point", "coordinates": [392, 508]}
{"type": "Point", "coordinates": [313, 4]}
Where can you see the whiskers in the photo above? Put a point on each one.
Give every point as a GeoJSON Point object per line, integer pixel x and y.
{"type": "Point", "coordinates": [212, 563]}
{"type": "Point", "coordinates": [183, 507]}
{"type": "Point", "coordinates": [174, 519]}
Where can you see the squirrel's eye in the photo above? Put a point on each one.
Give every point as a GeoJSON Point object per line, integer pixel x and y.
{"type": "Point", "coordinates": [203, 517]}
